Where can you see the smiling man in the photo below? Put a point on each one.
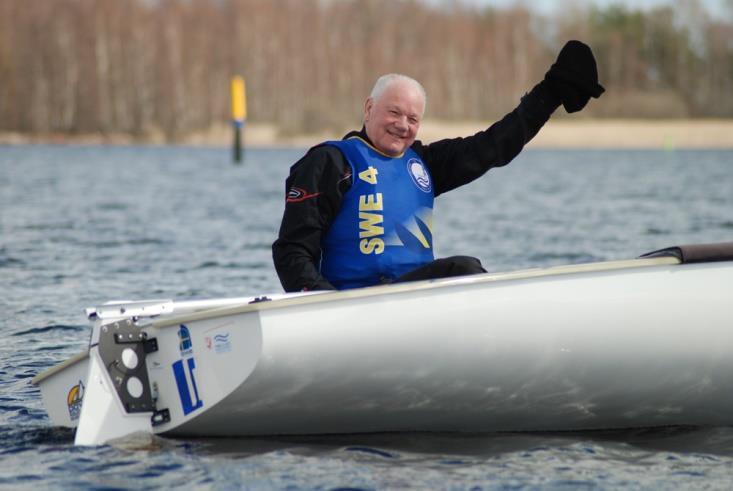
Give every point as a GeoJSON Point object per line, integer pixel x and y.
{"type": "Point", "coordinates": [358, 211]}
{"type": "Point", "coordinates": [392, 113]}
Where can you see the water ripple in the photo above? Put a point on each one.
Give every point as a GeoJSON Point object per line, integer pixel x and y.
{"type": "Point", "coordinates": [30, 436]}
{"type": "Point", "coordinates": [8, 262]}
{"type": "Point", "coordinates": [371, 451]}
{"type": "Point", "coordinates": [51, 328]}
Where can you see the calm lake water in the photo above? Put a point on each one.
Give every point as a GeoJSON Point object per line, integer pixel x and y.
{"type": "Point", "coordinates": [83, 225]}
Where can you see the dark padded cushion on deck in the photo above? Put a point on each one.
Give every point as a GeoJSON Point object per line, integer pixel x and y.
{"type": "Point", "coordinates": [697, 253]}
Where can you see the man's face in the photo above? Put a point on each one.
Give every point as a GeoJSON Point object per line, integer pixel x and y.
{"type": "Point", "coordinates": [392, 121]}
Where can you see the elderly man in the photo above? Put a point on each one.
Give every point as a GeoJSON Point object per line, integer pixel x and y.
{"type": "Point", "coordinates": [358, 210]}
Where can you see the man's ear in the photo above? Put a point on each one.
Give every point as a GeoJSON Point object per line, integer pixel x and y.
{"type": "Point", "coordinates": [368, 104]}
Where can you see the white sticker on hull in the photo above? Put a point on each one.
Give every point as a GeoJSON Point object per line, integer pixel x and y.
{"type": "Point", "coordinates": [219, 343]}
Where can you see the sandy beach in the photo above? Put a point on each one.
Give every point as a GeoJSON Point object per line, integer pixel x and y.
{"type": "Point", "coordinates": [557, 133]}
{"type": "Point", "coordinates": [583, 133]}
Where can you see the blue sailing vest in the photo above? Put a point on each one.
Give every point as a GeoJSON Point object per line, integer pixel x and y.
{"type": "Point", "coordinates": [384, 226]}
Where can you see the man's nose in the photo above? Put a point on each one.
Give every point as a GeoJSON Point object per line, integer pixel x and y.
{"type": "Point", "coordinates": [402, 124]}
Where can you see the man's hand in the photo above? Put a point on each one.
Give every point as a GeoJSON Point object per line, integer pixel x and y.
{"type": "Point", "coordinates": [574, 76]}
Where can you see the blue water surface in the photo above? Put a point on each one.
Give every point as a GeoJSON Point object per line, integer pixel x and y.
{"type": "Point", "coordinates": [80, 225]}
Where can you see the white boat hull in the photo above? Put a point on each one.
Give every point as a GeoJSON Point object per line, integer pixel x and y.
{"type": "Point", "coordinates": [637, 343]}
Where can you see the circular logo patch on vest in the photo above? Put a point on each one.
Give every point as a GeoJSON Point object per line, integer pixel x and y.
{"type": "Point", "coordinates": [419, 175]}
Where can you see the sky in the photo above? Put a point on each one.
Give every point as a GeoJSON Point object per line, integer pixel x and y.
{"type": "Point", "coordinates": [714, 7]}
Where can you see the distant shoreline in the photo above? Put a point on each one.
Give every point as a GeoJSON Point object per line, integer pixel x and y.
{"type": "Point", "coordinates": [557, 133]}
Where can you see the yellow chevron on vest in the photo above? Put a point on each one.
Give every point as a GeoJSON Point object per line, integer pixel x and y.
{"type": "Point", "coordinates": [425, 215]}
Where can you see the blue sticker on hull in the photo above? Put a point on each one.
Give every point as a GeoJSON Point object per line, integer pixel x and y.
{"type": "Point", "coordinates": [183, 370]}
{"type": "Point", "coordinates": [184, 340]}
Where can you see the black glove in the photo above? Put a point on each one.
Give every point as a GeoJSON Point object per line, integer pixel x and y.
{"type": "Point", "coordinates": [574, 76]}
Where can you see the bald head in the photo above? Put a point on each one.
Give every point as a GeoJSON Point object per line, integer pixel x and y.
{"type": "Point", "coordinates": [389, 79]}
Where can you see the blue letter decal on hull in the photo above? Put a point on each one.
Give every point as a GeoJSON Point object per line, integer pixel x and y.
{"type": "Point", "coordinates": [186, 383]}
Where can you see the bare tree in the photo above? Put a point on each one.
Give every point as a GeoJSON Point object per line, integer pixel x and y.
{"type": "Point", "coordinates": [146, 67]}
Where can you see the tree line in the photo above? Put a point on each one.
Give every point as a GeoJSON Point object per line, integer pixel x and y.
{"type": "Point", "coordinates": [144, 66]}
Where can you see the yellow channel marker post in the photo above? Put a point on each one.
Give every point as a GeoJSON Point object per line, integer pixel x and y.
{"type": "Point", "coordinates": [239, 114]}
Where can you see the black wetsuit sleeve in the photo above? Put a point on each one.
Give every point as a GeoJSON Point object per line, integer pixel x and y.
{"type": "Point", "coordinates": [314, 191]}
{"type": "Point", "coordinates": [458, 161]}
